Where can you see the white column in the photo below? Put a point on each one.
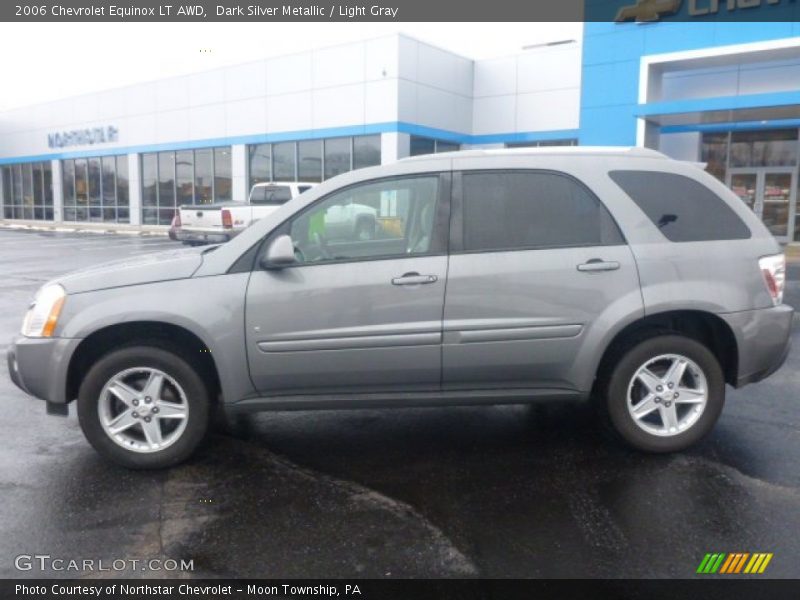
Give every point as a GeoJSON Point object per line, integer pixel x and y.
{"type": "Point", "coordinates": [135, 188]}
{"type": "Point", "coordinates": [58, 191]}
{"type": "Point", "coordinates": [394, 146]}
{"type": "Point", "coordinates": [239, 189]}
{"type": "Point", "coordinates": [2, 192]}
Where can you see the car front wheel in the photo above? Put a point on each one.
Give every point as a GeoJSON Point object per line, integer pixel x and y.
{"type": "Point", "coordinates": [144, 407]}
{"type": "Point", "coordinates": [665, 393]}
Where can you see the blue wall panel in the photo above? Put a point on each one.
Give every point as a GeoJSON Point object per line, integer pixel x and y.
{"type": "Point", "coordinates": [611, 58]}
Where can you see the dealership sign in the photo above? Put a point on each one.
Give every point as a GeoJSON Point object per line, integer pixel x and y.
{"type": "Point", "coordinates": [653, 10]}
{"type": "Point", "coordinates": [83, 137]}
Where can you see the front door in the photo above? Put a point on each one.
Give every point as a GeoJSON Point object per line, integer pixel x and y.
{"type": "Point", "coordinates": [770, 193]}
{"type": "Point", "coordinates": [361, 310]}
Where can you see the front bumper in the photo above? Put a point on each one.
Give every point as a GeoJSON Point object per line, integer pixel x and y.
{"type": "Point", "coordinates": [38, 366]}
{"type": "Point", "coordinates": [763, 339]}
{"type": "Point", "coordinates": [208, 237]}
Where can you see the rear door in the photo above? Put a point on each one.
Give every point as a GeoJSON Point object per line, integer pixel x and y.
{"type": "Point", "coordinates": [537, 263]}
{"type": "Point", "coordinates": [355, 315]}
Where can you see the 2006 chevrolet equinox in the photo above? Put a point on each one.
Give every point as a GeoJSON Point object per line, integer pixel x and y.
{"type": "Point", "coordinates": [489, 277]}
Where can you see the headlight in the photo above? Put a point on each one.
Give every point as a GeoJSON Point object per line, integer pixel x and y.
{"type": "Point", "coordinates": [43, 313]}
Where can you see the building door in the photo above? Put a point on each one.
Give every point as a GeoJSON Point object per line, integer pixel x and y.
{"type": "Point", "coordinates": [771, 193]}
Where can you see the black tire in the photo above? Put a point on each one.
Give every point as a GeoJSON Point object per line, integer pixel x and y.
{"type": "Point", "coordinates": [623, 371]}
{"type": "Point", "coordinates": [152, 356]}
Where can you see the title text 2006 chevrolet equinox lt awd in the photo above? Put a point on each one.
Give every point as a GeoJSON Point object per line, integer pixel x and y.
{"type": "Point", "coordinates": [491, 277]}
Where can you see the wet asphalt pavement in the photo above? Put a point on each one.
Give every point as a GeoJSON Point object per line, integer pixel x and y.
{"type": "Point", "coordinates": [458, 492]}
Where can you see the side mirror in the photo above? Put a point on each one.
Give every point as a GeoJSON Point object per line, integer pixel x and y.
{"type": "Point", "coordinates": [280, 254]}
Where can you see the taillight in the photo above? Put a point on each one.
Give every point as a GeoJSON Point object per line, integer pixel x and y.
{"type": "Point", "coordinates": [176, 220]}
{"type": "Point", "coordinates": [227, 221]}
{"type": "Point", "coordinates": [773, 268]}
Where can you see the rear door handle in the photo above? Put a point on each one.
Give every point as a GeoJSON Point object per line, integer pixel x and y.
{"type": "Point", "coordinates": [414, 279]}
{"type": "Point", "coordinates": [598, 264]}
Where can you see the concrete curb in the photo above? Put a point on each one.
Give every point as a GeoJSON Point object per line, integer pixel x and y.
{"type": "Point", "coordinates": [95, 228]}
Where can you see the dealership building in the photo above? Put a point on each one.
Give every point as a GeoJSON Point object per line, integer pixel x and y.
{"type": "Point", "coordinates": [725, 94]}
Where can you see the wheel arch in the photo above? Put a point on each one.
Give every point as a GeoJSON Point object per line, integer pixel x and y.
{"type": "Point", "coordinates": [173, 337]}
{"type": "Point", "coordinates": [704, 327]}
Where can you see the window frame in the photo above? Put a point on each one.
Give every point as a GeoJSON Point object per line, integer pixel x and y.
{"type": "Point", "coordinates": [248, 261]}
{"type": "Point", "coordinates": [457, 212]}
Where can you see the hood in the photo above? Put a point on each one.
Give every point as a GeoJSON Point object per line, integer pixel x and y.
{"type": "Point", "coordinates": [149, 268]}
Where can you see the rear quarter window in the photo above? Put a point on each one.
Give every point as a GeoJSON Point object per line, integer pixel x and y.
{"type": "Point", "coordinates": [683, 209]}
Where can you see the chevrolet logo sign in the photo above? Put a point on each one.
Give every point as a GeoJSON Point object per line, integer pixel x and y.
{"type": "Point", "coordinates": [647, 10]}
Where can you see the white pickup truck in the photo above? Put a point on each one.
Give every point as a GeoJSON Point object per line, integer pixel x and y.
{"type": "Point", "coordinates": [215, 223]}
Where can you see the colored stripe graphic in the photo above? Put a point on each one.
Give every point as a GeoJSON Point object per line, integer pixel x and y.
{"type": "Point", "coordinates": [703, 563]}
{"type": "Point", "coordinates": [764, 564]}
{"type": "Point", "coordinates": [741, 562]}
{"type": "Point", "coordinates": [713, 563]}
{"type": "Point", "coordinates": [728, 563]}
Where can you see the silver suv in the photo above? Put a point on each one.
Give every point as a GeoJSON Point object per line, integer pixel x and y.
{"type": "Point", "coordinates": [491, 277]}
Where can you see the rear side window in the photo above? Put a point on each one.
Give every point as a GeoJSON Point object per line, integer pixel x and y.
{"type": "Point", "coordinates": [517, 210]}
{"type": "Point", "coordinates": [271, 194]}
{"type": "Point", "coordinates": [683, 209]}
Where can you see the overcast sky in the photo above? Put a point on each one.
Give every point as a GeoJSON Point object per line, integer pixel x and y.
{"type": "Point", "coordinates": [46, 61]}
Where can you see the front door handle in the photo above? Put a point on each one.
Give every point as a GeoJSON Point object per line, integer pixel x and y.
{"type": "Point", "coordinates": [598, 264]}
{"type": "Point", "coordinates": [414, 279]}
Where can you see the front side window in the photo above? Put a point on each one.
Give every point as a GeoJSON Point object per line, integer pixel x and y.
{"type": "Point", "coordinates": [684, 210]}
{"type": "Point", "coordinates": [382, 219]}
{"type": "Point", "coordinates": [530, 210]}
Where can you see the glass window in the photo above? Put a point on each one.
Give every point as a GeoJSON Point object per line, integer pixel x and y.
{"type": "Point", "coordinates": [47, 177]}
{"type": "Point", "coordinates": [366, 151]}
{"type": "Point", "coordinates": [94, 181]}
{"type": "Point", "coordinates": [446, 146]}
{"type": "Point", "coordinates": [203, 177]}
{"type": "Point", "coordinates": [184, 176]}
{"type": "Point", "coordinates": [68, 178]}
{"type": "Point", "coordinates": [260, 163]}
{"type": "Point", "coordinates": [337, 156]}
{"type": "Point", "coordinates": [149, 180]}
{"type": "Point", "coordinates": [764, 148]}
{"type": "Point", "coordinates": [422, 145]}
{"type": "Point", "coordinates": [309, 167]}
{"type": "Point", "coordinates": [38, 192]}
{"type": "Point", "coordinates": [150, 216]}
{"type": "Point", "coordinates": [222, 174]}
{"type": "Point", "coordinates": [8, 211]}
{"type": "Point", "coordinates": [166, 180]}
{"type": "Point", "coordinates": [27, 185]}
{"type": "Point", "coordinates": [373, 220]}
{"type": "Point", "coordinates": [17, 185]}
{"type": "Point", "coordinates": [682, 208]}
{"type": "Point", "coordinates": [109, 181]}
{"type": "Point", "coordinates": [283, 161]}
{"type": "Point", "coordinates": [714, 152]}
{"type": "Point", "coordinates": [510, 211]}
{"type": "Point", "coordinates": [123, 198]}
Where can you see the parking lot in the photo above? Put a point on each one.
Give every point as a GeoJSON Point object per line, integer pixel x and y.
{"type": "Point", "coordinates": [509, 491]}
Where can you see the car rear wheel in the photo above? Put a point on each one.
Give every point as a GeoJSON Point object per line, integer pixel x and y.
{"type": "Point", "coordinates": [144, 407]}
{"type": "Point", "coordinates": [665, 393]}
